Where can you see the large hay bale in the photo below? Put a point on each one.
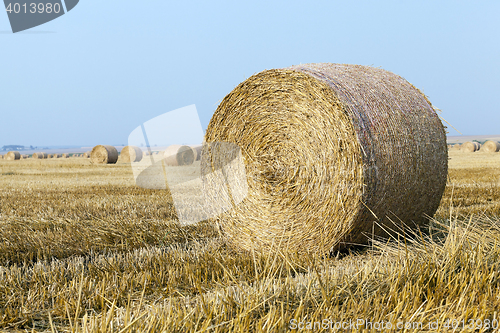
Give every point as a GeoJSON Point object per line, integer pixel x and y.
{"type": "Point", "coordinates": [197, 152]}
{"type": "Point", "coordinates": [491, 146]}
{"type": "Point", "coordinates": [103, 154]}
{"type": "Point", "coordinates": [131, 154]}
{"type": "Point", "coordinates": [177, 155]}
{"type": "Point", "coordinates": [39, 156]}
{"type": "Point", "coordinates": [469, 147]}
{"type": "Point", "coordinates": [333, 154]}
{"type": "Point", "coordinates": [12, 156]}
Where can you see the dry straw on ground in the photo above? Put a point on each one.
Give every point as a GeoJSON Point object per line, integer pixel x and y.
{"type": "Point", "coordinates": [177, 155]}
{"type": "Point", "coordinates": [332, 153]}
{"type": "Point", "coordinates": [491, 146]}
{"type": "Point", "coordinates": [104, 154]}
{"type": "Point", "coordinates": [12, 156]}
{"type": "Point", "coordinates": [131, 154]}
{"type": "Point", "coordinates": [39, 156]}
{"type": "Point", "coordinates": [470, 147]}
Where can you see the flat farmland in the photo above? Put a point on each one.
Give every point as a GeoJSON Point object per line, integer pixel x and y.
{"type": "Point", "coordinates": [84, 249]}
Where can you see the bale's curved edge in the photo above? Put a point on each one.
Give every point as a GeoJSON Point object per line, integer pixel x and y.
{"type": "Point", "coordinates": [469, 147]}
{"type": "Point", "coordinates": [197, 149]}
{"type": "Point", "coordinates": [131, 154]}
{"type": "Point", "coordinates": [12, 156]}
{"type": "Point", "coordinates": [332, 153]}
{"type": "Point", "coordinates": [491, 146]}
{"type": "Point", "coordinates": [178, 155]}
{"type": "Point", "coordinates": [39, 155]}
{"type": "Point", "coordinates": [103, 154]}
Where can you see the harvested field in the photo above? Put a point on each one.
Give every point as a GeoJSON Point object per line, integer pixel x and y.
{"type": "Point", "coordinates": [113, 258]}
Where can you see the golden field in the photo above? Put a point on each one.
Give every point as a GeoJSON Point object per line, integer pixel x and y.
{"type": "Point", "coordinates": [83, 249]}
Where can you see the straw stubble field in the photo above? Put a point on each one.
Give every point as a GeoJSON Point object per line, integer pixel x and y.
{"type": "Point", "coordinates": [82, 248]}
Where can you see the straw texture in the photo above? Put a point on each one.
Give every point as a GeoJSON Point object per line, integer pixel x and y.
{"type": "Point", "coordinates": [12, 156]}
{"type": "Point", "coordinates": [491, 146]}
{"type": "Point", "coordinates": [131, 154]}
{"type": "Point", "coordinates": [197, 152]}
{"type": "Point", "coordinates": [177, 155]}
{"type": "Point", "coordinates": [332, 153]}
{"type": "Point", "coordinates": [39, 156]}
{"type": "Point", "coordinates": [103, 154]}
{"type": "Point", "coordinates": [470, 147]}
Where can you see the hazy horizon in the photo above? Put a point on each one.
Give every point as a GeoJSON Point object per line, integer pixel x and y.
{"type": "Point", "coordinates": [95, 74]}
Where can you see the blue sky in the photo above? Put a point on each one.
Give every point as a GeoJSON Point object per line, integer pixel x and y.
{"type": "Point", "coordinates": [95, 74]}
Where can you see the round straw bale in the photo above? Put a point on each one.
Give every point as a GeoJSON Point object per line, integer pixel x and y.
{"type": "Point", "coordinates": [1, 157]}
{"type": "Point", "coordinates": [456, 146]}
{"type": "Point", "coordinates": [104, 154]}
{"type": "Point", "coordinates": [12, 156]}
{"type": "Point", "coordinates": [197, 152]}
{"type": "Point", "coordinates": [491, 146]}
{"type": "Point", "coordinates": [333, 155]}
{"type": "Point", "coordinates": [25, 156]}
{"type": "Point", "coordinates": [177, 155]}
{"type": "Point", "coordinates": [87, 154]}
{"type": "Point", "coordinates": [56, 156]}
{"type": "Point", "coordinates": [469, 147]}
{"type": "Point", "coordinates": [65, 155]}
{"type": "Point", "coordinates": [131, 154]}
{"type": "Point", "coordinates": [39, 156]}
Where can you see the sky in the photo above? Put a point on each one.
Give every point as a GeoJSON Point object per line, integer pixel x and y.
{"type": "Point", "coordinates": [95, 74]}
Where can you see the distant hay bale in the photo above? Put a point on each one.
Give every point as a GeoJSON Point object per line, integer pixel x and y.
{"type": "Point", "coordinates": [333, 155]}
{"type": "Point", "coordinates": [131, 154]}
{"type": "Point", "coordinates": [104, 154]}
{"type": "Point", "coordinates": [25, 156]}
{"type": "Point", "coordinates": [56, 156]}
{"type": "Point", "coordinates": [87, 154]}
{"type": "Point", "coordinates": [456, 146]}
{"type": "Point", "coordinates": [39, 156]}
{"type": "Point", "coordinates": [65, 155]}
{"type": "Point", "coordinates": [12, 156]}
{"type": "Point", "coordinates": [50, 155]}
{"type": "Point", "coordinates": [469, 147]}
{"type": "Point", "coordinates": [177, 155]}
{"type": "Point", "coordinates": [197, 152]}
{"type": "Point", "coordinates": [491, 146]}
